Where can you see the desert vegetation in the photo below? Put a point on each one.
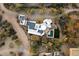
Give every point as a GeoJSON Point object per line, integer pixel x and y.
{"type": "Point", "coordinates": [69, 24]}
{"type": "Point", "coordinates": [8, 36]}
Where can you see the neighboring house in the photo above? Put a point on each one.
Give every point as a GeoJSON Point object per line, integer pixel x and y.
{"type": "Point", "coordinates": [22, 20]}
{"type": "Point", "coordinates": [74, 51]}
{"type": "Point", "coordinates": [38, 29]}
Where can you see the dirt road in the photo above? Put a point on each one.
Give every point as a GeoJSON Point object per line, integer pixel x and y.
{"type": "Point", "coordinates": [11, 17]}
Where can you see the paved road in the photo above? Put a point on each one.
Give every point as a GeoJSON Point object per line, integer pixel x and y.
{"type": "Point", "coordinates": [11, 17]}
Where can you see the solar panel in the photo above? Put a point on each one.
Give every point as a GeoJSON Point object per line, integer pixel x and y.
{"type": "Point", "coordinates": [40, 31]}
{"type": "Point", "coordinates": [31, 25]}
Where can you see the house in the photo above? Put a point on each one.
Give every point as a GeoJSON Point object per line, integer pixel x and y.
{"type": "Point", "coordinates": [22, 20]}
{"type": "Point", "coordinates": [74, 51]}
{"type": "Point", "coordinates": [33, 28]}
{"type": "Point", "coordinates": [38, 29]}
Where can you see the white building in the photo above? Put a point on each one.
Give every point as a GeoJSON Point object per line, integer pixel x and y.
{"type": "Point", "coordinates": [38, 29]}
{"type": "Point", "coordinates": [34, 28]}
{"type": "Point", "coordinates": [22, 19]}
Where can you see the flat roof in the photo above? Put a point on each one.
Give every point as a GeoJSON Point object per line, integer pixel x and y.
{"type": "Point", "coordinates": [38, 29]}
{"type": "Point", "coordinates": [51, 33]}
{"type": "Point", "coordinates": [74, 51]}
{"type": "Point", "coordinates": [31, 25]}
{"type": "Point", "coordinates": [21, 17]}
{"type": "Point", "coordinates": [35, 32]}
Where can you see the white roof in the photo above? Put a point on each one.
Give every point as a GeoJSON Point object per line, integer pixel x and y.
{"type": "Point", "coordinates": [48, 22]}
{"type": "Point", "coordinates": [23, 22]}
{"type": "Point", "coordinates": [21, 17]}
{"type": "Point", "coordinates": [38, 27]}
{"type": "Point", "coordinates": [35, 32]}
{"type": "Point", "coordinates": [43, 27]}
{"type": "Point", "coordinates": [49, 34]}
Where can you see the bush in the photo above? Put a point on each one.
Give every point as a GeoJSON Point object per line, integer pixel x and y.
{"type": "Point", "coordinates": [12, 53]}
{"type": "Point", "coordinates": [0, 17]}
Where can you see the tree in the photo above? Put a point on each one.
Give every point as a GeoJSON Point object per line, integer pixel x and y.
{"type": "Point", "coordinates": [11, 45]}
{"type": "Point", "coordinates": [14, 37]}
{"type": "Point", "coordinates": [34, 48]}
{"type": "Point", "coordinates": [12, 53]}
{"type": "Point", "coordinates": [20, 53]}
{"type": "Point", "coordinates": [56, 45]}
{"type": "Point", "coordinates": [35, 38]}
{"type": "Point", "coordinates": [18, 42]}
{"type": "Point", "coordinates": [0, 17]}
{"type": "Point", "coordinates": [39, 20]}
